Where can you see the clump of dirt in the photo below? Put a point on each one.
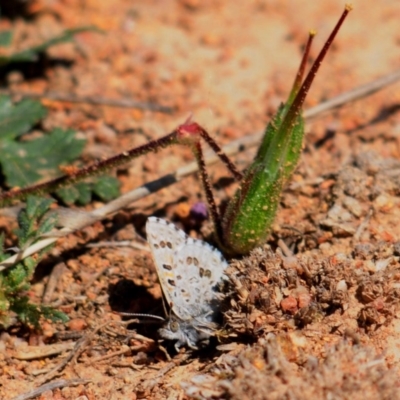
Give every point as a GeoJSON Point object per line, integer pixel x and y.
{"type": "Point", "coordinates": [312, 305]}
{"type": "Point", "coordinates": [263, 371]}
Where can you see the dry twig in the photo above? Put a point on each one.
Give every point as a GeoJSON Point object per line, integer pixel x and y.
{"type": "Point", "coordinates": [51, 386]}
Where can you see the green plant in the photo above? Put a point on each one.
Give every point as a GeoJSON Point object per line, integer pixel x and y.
{"type": "Point", "coordinates": [33, 222]}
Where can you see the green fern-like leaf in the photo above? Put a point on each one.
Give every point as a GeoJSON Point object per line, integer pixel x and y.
{"type": "Point", "coordinates": [33, 221]}
{"type": "Point", "coordinates": [18, 119]}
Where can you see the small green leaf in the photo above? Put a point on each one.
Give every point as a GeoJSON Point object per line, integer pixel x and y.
{"type": "Point", "coordinates": [80, 193]}
{"type": "Point", "coordinates": [27, 313]}
{"type": "Point", "coordinates": [42, 207]}
{"type": "Point", "coordinates": [84, 193]}
{"type": "Point", "coordinates": [106, 187]}
{"type": "Point", "coordinates": [32, 222]}
{"type": "Point", "coordinates": [26, 225]}
{"type": "Point", "coordinates": [5, 38]}
{"type": "Point", "coordinates": [47, 225]}
{"type": "Point", "coordinates": [30, 265]}
{"type": "Point", "coordinates": [30, 313]}
{"type": "Point", "coordinates": [16, 120]}
{"type": "Point", "coordinates": [16, 278]}
{"type": "Point", "coordinates": [53, 315]}
{"type": "Point", "coordinates": [69, 195]}
{"type": "Point", "coordinates": [36, 206]}
{"type": "Point", "coordinates": [25, 163]}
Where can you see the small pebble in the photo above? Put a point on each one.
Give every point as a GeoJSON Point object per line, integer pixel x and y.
{"type": "Point", "coordinates": [289, 305]}
{"type": "Point", "coordinates": [77, 324]}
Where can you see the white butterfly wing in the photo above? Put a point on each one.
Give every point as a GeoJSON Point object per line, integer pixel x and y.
{"type": "Point", "coordinates": [164, 238]}
{"type": "Point", "coordinates": [198, 268]}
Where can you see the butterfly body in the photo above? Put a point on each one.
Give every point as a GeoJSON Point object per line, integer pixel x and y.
{"type": "Point", "coordinates": [190, 272]}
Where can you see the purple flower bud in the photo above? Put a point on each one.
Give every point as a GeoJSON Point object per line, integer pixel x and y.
{"type": "Point", "coordinates": [199, 211]}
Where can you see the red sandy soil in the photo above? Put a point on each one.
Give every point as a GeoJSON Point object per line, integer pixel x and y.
{"type": "Point", "coordinates": [230, 64]}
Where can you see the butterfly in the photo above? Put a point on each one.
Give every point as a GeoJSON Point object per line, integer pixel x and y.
{"type": "Point", "coordinates": [190, 272]}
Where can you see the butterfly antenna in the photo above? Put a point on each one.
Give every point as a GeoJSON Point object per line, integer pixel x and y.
{"type": "Point", "coordinates": [138, 315]}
